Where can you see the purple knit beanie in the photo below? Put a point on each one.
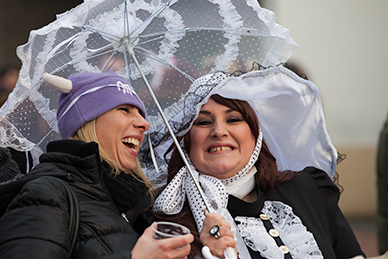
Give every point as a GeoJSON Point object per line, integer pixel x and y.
{"type": "Point", "coordinates": [93, 94]}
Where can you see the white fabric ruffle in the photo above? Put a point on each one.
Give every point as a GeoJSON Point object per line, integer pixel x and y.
{"type": "Point", "coordinates": [291, 231]}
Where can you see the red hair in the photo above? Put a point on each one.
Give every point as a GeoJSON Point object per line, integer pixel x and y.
{"type": "Point", "coordinates": [267, 176]}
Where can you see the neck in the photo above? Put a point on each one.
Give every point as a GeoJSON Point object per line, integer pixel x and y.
{"type": "Point", "coordinates": [251, 197]}
{"type": "Point", "coordinates": [243, 186]}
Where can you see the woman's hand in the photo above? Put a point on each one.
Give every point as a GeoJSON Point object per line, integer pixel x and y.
{"type": "Point", "coordinates": [169, 248]}
{"type": "Point", "coordinates": [226, 238]}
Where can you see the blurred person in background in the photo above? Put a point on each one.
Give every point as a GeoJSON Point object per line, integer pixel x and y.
{"type": "Point", "coordinates": [382, 189]}
{"type": "Point", "coordinates": [8, 77]}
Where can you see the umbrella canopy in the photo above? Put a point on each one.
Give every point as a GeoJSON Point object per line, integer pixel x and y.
{"type": "Point", "coordinates": [174, 41]}
{"type": "Point", "coordinates": [288, 108]}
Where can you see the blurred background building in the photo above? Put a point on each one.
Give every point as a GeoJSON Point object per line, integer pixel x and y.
{"type": "Point", "coordinates": [343, 50]}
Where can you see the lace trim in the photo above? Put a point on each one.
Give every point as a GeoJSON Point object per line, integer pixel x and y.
{"type": "Point", "coordinates": [291, 231]}
{"type": "Point", "coordinates": [232, 26]}
{"type": "Point", "coordinates": [279, 55]}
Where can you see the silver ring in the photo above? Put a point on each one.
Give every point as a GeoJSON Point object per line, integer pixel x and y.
{"type": "Point", "coordinates": [214, 232]}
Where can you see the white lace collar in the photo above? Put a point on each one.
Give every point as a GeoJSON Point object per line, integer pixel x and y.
{"type": "Point", "coordinates": [293, 233]}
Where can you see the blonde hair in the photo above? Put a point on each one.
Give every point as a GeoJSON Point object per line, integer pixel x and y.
{"type": "Point", "coordinates": [88, 133]}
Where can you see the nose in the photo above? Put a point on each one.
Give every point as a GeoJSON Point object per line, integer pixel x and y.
{"type": "Point", "coordinates": [141, 123]}
{"type": "Point", "coordinates": [219, 130]}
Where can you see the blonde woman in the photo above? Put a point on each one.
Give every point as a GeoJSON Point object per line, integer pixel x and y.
{"type": "Point", "coordinates": [102, 122]}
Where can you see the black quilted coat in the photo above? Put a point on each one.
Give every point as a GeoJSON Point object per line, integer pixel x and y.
{"type": "Point", "coordinates": [36, 224]}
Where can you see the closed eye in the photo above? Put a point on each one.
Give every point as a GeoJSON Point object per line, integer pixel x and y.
{"type": "Point", "coordinates": [125, 109]}
{"type": "Point", "coordinates": [233, 120]}
{"type": "Point", "coordinates": [202, 123]}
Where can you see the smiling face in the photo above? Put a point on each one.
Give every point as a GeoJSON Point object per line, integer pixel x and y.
{"type": "Point", "coordinates": [221, 141]}
{"type": "Point", "coordinates": [120, 132]}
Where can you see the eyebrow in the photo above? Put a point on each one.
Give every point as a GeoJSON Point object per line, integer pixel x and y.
{"type": "Point", "coordinates": [207, 112]}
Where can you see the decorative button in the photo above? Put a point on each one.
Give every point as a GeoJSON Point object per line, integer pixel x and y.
{"type": "Point", "coordinates": [264, 216]}
{"type": "Point", "coordinates": [284, 249]}
{"type": "Point", "coordinates": [273, 233]}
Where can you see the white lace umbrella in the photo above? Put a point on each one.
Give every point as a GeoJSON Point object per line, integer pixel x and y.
{"type": "Point", "coordinates": [167, 43]}
{"type": "Point", "coordinates": [175, 42]}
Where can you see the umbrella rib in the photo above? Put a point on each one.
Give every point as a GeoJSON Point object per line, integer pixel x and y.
{"type": "Point", "coordinates": [152, 16]}
{"type": "Point", "coordinates": [102, 33]}
{"type": "Point", "coordinates": [126, 24]}
{"type": "Point", "coordinates": [156, 58]}
{"type": "Point", "coordinates": [204, 199]}
{"type": "Point", "coordinates": [43, 138]}
{"type": "Point", "coordinates": [110, 58]}
{"type": "Point", "coordinates": [126, 20]}
{"type": "Point", "coordinates": [76, 60]}
{"type": "Point", "coordinates": [151, 40]}
{"type": "Point", "coordinates": [243, 31]}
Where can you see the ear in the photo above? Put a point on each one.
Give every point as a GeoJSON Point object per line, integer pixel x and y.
{"type": "Point", "coordinates": [61, 84]}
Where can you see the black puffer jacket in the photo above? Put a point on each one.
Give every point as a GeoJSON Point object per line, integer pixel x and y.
{"type": "Point", "coordinates": [36, 224]}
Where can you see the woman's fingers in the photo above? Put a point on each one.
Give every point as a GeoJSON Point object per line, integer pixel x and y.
{"type": "Point", "coordinates": [217, 235]}
{"type": "Point", "coordinates": [174, 248]}
{"type": "Point", "coordinates": [214, 219]}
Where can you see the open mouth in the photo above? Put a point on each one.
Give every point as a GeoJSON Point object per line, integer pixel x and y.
{"type": "Point", "coordinates": [132, 143]}
{"type": "Point", "coordinates": [217, 149]}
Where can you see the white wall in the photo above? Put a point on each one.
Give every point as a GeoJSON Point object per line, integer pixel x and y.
{"type": "Point", "coordinates": [343, 47]}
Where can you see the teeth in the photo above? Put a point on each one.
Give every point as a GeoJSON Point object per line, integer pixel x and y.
{"type": "Point", "coordinates": [132, 141]}
{"type": "Point", "coordinates": [216, 149]}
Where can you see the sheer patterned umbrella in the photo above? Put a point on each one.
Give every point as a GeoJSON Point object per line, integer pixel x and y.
{"type": "Point", "coordinates": [175, 42]}
{"type": "Point", "coordinates": [165, 43]}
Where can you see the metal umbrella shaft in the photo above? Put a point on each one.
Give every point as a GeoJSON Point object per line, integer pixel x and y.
{"type": "Point", "coordinates": [229, 251]}
{"type": "Point", "coordinates": [176, 142]}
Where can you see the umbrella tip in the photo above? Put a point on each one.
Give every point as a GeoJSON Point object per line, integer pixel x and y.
{"type": "Point", "coordinates": [61, 84]}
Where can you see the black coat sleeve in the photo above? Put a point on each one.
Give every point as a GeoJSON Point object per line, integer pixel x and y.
{"type": "Point", "coordinates": [35, 224]}
{"type": "Point", "coordinates": [345, 243]}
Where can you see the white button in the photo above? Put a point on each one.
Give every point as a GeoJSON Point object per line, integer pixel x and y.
{"type": "Point", "coordinates": [284, 249]}
{"type": "Point", "coordinates": [264, 216]}
{"type": "Point", "coordinates": [273, 233]}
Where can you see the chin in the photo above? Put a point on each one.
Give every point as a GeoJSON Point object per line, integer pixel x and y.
{"type": "Point", "coordinates": [220, 174]}
{"type": "Point", "coordinates": [128, 167]}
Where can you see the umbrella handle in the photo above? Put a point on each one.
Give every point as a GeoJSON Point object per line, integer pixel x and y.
{"type": "Point", "coordinates": [228, 253]}
{"type": "Point", "coordinates": [206, 253]}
